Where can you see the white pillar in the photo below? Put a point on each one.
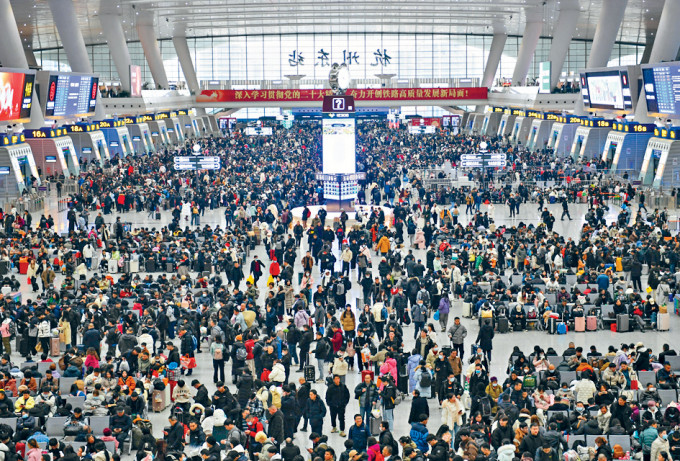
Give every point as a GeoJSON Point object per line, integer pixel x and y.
{"type": "Point", "coordinates": [12, 55]}
{"type": "Point", "coordinates": [64, 15]}
{"type": "Point", "coordinates": [115, 37]}
{"type": "Point", "coordinates": [152, 52]}
{"type": "Point", "coordinates": [562, 35]}
{"type": "Point", "coordinates": [184, 56]}
{"type": "Point", "coordinates": [611, 16]}
{"type": "Point", "coordinates": [495, 53]}
{"type": "Point", "coordinates": [532, 32]}
{"type": "Point", "coordinates": [666, 45]}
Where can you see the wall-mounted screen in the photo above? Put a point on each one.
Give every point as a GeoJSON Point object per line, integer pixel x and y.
{"type": "Point", "coordinates": [662, 89]}
{"type": "Point", "coordinates": [50, 159]}
{"type": "Point", "coordinates": [70, 95]}
{"type": "Point", "coordinates": [16, 96]}
{"type": "Point", "coordinates": [607, 90]}
{"type": "Point", "coordinates": [135, 81]}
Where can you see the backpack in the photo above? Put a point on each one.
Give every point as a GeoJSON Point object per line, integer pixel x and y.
{"type": "Point", "coordinates": [339, 289]}
{"type": "Point", "coordinates": [265, 375]}
{"type": "Point", "coordinates": [218, 353]}
{"type": "Point", "coordinates": [529, 382]}
{"type": "Point", "coordinates": [425, 379]}
{"type": "Point", "coordinates": [532, 314]}
{"type": "Point", "coordinates": [485, 405]}
{"type": "Point", "coordinates": [241, 353]}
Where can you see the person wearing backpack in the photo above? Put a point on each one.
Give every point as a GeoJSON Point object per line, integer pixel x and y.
{"type": "Point", "coordinates": [424, 380]}
{"type": "Point", "coordinates": [323, 348]}
{"type": "Point", "coordinates": [218, 353]}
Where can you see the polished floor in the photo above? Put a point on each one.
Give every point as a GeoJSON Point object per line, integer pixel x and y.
{"type": "Point", "coordinates": [503, 344]}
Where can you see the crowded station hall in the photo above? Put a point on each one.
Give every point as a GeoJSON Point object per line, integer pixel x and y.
{"type": "Point", "coordinates": [294, 231]}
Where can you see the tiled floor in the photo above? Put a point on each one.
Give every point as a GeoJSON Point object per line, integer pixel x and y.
{"type": "Point", "coordinates": [503, 344]}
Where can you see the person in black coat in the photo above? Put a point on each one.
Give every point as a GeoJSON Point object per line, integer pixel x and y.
{"type": "Point", "coordinates": [290, 410]}
{"type": "Point", "coordinates": [175, 435]}
{"type": "Point", "coordinates": [276, 425]}
{"type": "Point", "coordinates": [485, 339]}
{"type": "Point", "coordinates": [202, 396]}
{"type": "Point", "coordinates": [337, 398]}
{"type": "Point", "coordinates": [419, 407]}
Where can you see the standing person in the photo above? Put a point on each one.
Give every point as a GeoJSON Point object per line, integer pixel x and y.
{"type": "Point", "coordinates": [323, 349]}
{"type": "Point", "coordinates": [641, 198]}
{"type": "Point", "coordinates": [457, 333]}
{"type": "Point", "coordinates": [485, 339]}
{"type": "Point", "coordinates": [316, 412]}
{"type": "Point", "coordinates": [367, 394]}
{"type": "Point", "coordinates": [358, 434]}
{"type": "Point", "coordinates": [217, 351]}
{"type": "Point", "coordinates": [304, 345]}
{"type": "Point", "coordinates": [565, 209]}
{"type": "Point", "coordinates": [444, 308]}
{"type": "Point", "coordinates": [419, 317]}
{"type": "Point", "coordinates": [337, 398]}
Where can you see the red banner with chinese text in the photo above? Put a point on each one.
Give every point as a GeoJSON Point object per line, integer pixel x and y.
{"type": "Point", "coordinates": [387, 94]}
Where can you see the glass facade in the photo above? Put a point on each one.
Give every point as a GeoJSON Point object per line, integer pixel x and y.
{"type": "Point", "coordinates": [272, 57]}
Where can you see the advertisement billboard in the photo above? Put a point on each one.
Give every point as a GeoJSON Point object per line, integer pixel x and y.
{"type": "Point", "coordinates": [544, 69]}
{"type": "Point", "coordinates": [16, 94]}
{"type": "Point", "coordinates": [135, 81]}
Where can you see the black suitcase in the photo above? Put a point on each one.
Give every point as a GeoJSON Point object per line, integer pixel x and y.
{"type": "Point", "coordinates": [503, 325]}
{"type": "Point", "coordinates": [4, 267]}
{"type": "Point", "coordinates": [552, 326]}
{"type": "Point", "coordinates": [310, 373]}
{"type": "Point", "coordinates": [158, 216]}
{"type": "Point", "coordinates": [150, 265]}
{"type": "Point", "coordinates": [23, 347]}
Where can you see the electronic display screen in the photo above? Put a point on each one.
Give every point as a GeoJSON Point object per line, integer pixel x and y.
{"type": "Point", "coordinates": [135, 81]}
{"type": "Point", "coordinates": [662, 89]}
{"type": "Point", "coordinates": [50, 159]}
{"type": "Point", "coordinates": [258, 131]}
{"type": "Point", "coordinates": [422, 129]}
{"type": "Point", "coordinates": [71, 95]}
{"type": "Point", "coordinates": [339, 154]}
{"type": "Point", "coordinates": [607, 90]}
{"type": "Point", "coordinates": [4, 170]}
{"type": "Point", "coordinates": [16, 96]}
{"type": "Point", "coordinates": [197, 162]}
{"type": "Point", "coordinates": [87, 150]}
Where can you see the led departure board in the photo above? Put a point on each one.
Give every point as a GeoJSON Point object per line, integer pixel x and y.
{"type": "Point", "coordinates": [70, 95]}
{"type": "Point", "coordinates": [197, 162]}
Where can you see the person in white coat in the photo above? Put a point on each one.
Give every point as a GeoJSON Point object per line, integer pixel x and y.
{"type": "Point", "coordinates": [278, 374]}
{"type": "Point", "coordinates": [452, 412]}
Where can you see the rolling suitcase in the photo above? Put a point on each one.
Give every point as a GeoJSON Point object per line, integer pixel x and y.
{"type": "Point", "coordinates": [23, 347]}
{"type": "Point", "coordinates": [150, 265]}
{"type": "Point", "coordinates": [367, 372]}
{"type": "Point", "coordinates": [375, 425]}
{"type": "Point", "coordinates": [157, 401]}
{"type": "Point", "coordinates": [126, 267]}
{"type": "Point", "coordinates": [552, 326]}
{"type": "Point", "coordinates": [580, 324]}
{"type": "Point", "coordinates": [169, 267]}
{"type": "Point", "coordinates": [503, 325]}
{"type": "Point", "coordinates": [622, 323]}
{"type": "Point", "coordinates": [467, 310]}
{"type": "Point", "coordinates": [55, 347]}
{"type": "Point", "coordinates": [113, 266]}
{"type": "Point", "coordinates": [591, 323]}
{"type": "Point", "coordinates": [310, 373]}
{"type": "Point", "coordinates": [134, 267]}
{"type": "Point", "coordinates": [663, 322]}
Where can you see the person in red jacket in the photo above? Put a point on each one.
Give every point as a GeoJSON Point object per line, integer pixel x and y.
{"type": "Point", "coordinates": [274, 269]}
{"type": "Point", "coordinates": [337, 340]}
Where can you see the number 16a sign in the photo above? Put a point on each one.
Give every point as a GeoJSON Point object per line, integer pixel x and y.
{"type": "Point", "coordinates": [338, 103]}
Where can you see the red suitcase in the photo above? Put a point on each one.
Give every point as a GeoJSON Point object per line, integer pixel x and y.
{"type": "Point", "coordinates": [367, 372]}
{"type": "Point", "coordinates": [591, 323]}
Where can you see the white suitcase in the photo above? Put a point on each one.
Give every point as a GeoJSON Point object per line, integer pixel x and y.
{"type": "Point", "coordinates": [134, 266]}
{"type": "Point", "coordinates": [113, 266]}
{"type": "Point", "coordinates": [663, 322]}
{"type": "Point", "coordinates": [467, 310]}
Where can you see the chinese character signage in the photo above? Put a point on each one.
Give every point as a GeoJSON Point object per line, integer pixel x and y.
{"type": "Point", "coordinates": [387, 94]}
{"type": "Point", "coordinates": [379, 57]}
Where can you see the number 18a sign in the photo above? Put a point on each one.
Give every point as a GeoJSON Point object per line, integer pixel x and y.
{"type": "Point", "coordinates": [339, 103]}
